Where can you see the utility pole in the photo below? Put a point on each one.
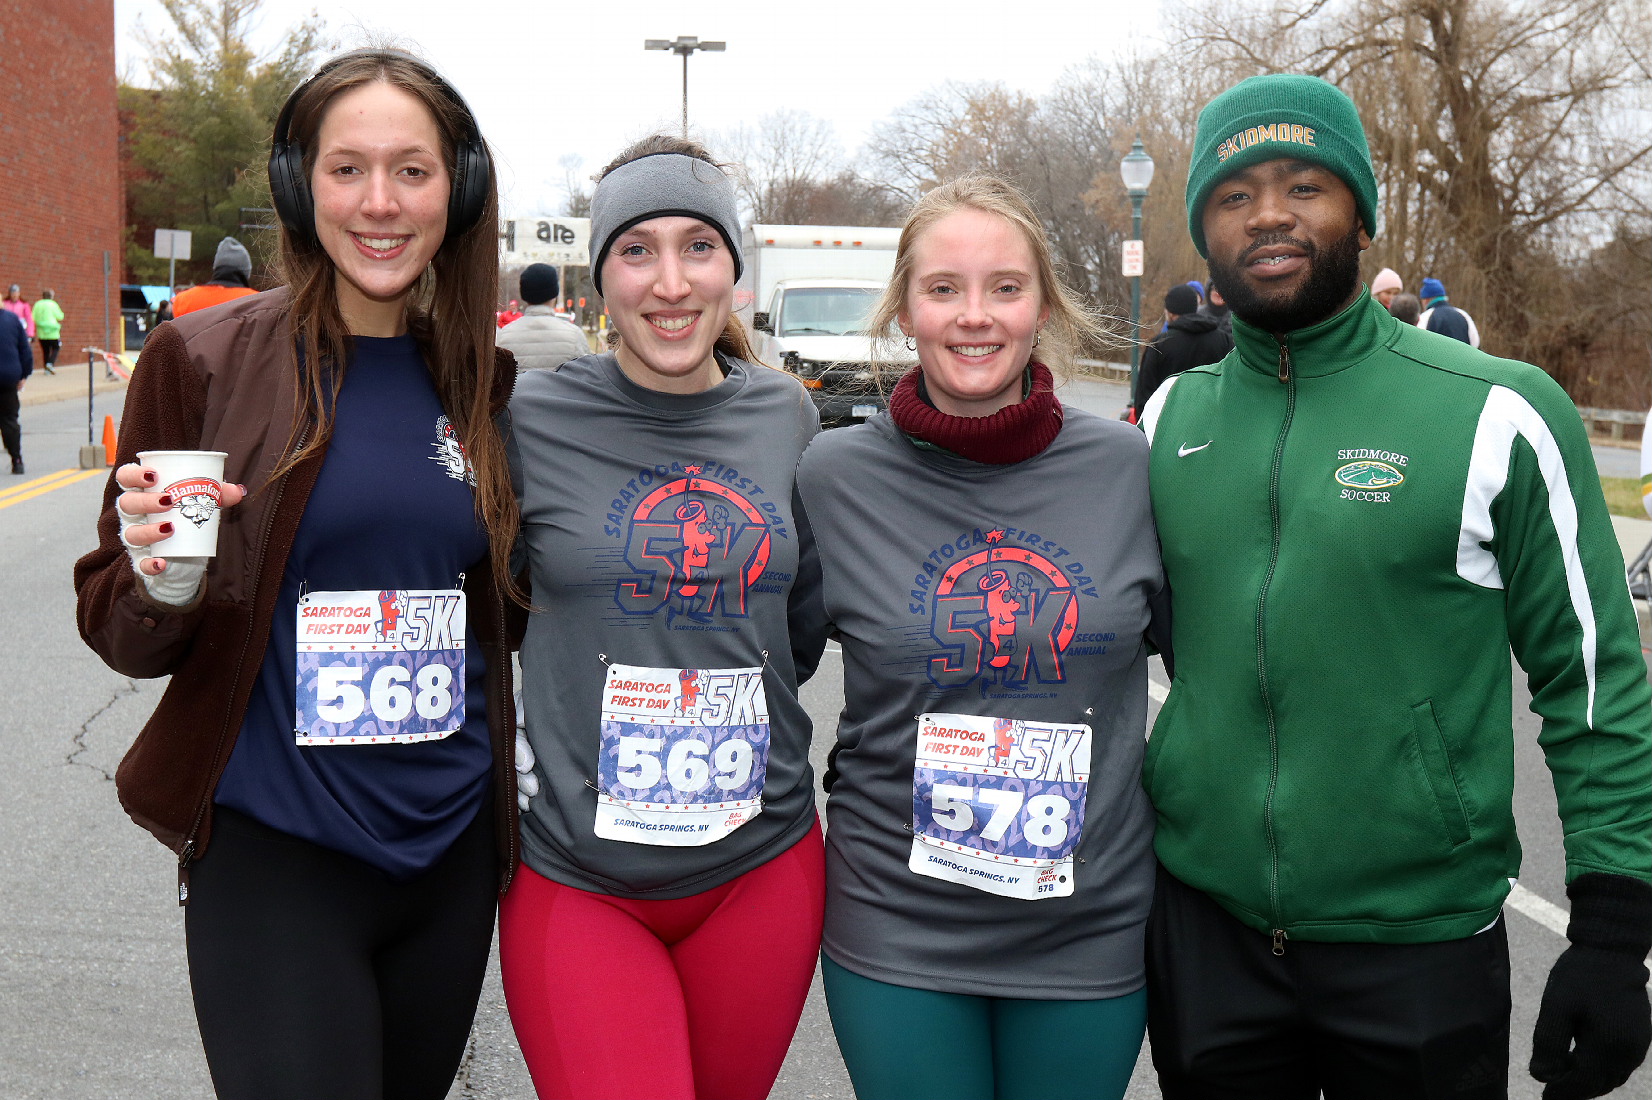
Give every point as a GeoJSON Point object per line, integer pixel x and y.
{"type": "Point", "coordinates": [683, 46]}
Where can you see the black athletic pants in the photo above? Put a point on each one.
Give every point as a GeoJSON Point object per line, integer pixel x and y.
{"type": "Point", "coordinates": [316, 976]}
{"type": "Point", "coordinates": [1229, 1020]}
{"type": "Point", "coordinates": [48, 352]}
{"type": "Point", "coordinates": [11, 430]}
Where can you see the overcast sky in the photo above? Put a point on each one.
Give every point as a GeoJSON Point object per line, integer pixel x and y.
{"type": "Point", "coordinates": [552, 79]}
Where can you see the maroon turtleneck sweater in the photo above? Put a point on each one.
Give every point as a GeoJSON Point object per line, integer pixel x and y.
{"type": "Point", "coordinates": [1012, 434]}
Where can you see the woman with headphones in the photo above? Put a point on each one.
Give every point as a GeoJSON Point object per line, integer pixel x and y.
{"type": "Point", "coordinates": [330, 760]}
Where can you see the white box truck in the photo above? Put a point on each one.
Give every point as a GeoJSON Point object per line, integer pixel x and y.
{"type": "Point", "coordinates": [805, 296]}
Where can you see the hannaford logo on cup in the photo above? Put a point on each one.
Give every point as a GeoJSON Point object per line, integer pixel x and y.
{"type": "Point", "coordinates": [196, 498]}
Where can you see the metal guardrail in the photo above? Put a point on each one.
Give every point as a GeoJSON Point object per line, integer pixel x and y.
{"type": "Point", "coordinates": [1611, 422]}
{"type": "Point", "coordinates": [1112, 372]}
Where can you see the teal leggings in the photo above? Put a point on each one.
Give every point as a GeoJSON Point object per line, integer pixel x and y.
{"type": "Point", "coordinates": [916, 1044]}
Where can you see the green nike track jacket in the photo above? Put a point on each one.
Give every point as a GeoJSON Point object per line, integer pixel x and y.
{"type": "Point", "coordinates": [1359, 522]}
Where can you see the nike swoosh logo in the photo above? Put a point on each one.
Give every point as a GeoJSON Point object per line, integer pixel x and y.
{"type": "Point", "coordinates": [1184, 450]}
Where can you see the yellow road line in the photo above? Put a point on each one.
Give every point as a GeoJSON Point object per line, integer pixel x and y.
{"type": "Point", "coordinates": [25, 486]}
{"type": "Point", "coordinates": [40, 486]}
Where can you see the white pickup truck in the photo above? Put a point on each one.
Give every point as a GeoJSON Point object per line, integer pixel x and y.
{"type": "Point", "coordinates": [806, 293]}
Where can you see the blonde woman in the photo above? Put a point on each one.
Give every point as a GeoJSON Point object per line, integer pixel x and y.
{"type": "Point", "coordinates": [990, 564]}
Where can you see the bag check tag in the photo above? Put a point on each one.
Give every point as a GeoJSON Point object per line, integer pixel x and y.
{"type": "Point", "coordinates": [375, 668]}
{"type": "Point", "coordinates": [998, 803]}
{"type": "Point", "coordinates": [683, 754]}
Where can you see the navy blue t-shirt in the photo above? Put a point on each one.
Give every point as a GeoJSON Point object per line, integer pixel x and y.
{"type": "Point", "coordinates": [393, 508]}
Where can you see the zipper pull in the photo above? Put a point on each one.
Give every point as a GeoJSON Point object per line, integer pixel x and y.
{"type": "Point", "coordinates": [1279, 939]}
{"type": "Point", "coordinates": [1284, 362]}
{"type": "Point", "coordinates": [183, 873]}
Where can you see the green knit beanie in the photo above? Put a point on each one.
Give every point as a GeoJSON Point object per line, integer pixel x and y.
{"type": "Point", "coordinates": [1282, 115]}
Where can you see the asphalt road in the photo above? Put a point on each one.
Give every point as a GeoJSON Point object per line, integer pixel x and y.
{"type": "Point", "coordinates": [94, 995]}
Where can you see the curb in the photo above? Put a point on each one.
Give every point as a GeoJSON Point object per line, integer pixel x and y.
{"type": "Point", "coordinates": [36, 394]}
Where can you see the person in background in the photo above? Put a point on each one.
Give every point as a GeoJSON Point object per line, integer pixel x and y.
{"type": "Point", "coordinates": [1385, 286]}
{"type": "Point", "coordinates": [1190, 338]}
{"type": "Point", "coordinates": [508, 314]}
{"type": "Point", "coordinates": [989, 856]}
{"type": "Point", "coordinates": [540, 339]}
{"type": "Point", "coordinates": [1217, 307]}
{"type": "Point", "coordinates": [15, 303]}
{"type": "Point", "coordinates": [1440, 316]}
{"type": "Point", "coordinates": [1198, 289]}
{"type": "Point", "coordinates": [48, 328]}
{"type": "Point", "coordinates": [16, 364]}
{"type": "Point", "coordinates": [1360, 520]}
{"type": "Point", "coordinates": [343, 817]}
{"type": "Point", "coordinates": [231, 279]}
{"type": "Point", "coordinates": [1405, 308]}
{"type": "Point", "coordinates": [663, 928]}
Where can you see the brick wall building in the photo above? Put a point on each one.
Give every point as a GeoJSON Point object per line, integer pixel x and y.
{"type": "Point", "coordinates": [60, 186]}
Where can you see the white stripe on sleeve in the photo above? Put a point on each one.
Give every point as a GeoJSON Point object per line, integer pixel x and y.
{"type": "Point", "coordinates": [1150, 414]}
{"type": "Point", "coordinates": [1506, 415]}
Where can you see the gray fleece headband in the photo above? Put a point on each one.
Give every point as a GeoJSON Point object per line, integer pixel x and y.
{"type": "Point", "coordinates": [661, 186]}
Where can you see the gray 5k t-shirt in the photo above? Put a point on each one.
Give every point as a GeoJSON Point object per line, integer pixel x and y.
{"type": "Point", "coordinates": [987, 832]}
{"type": "Point", "coordinates": [658, 677]}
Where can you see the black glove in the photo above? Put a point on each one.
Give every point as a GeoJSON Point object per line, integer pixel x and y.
{"type": "Point", "coordinates": [1595, 1024]}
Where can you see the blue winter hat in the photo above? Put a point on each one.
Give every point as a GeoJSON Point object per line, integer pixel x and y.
{"type": "Point", "coordinates": [1198, 287]}
{"type": "Point", "coordinates": [1433, 288]}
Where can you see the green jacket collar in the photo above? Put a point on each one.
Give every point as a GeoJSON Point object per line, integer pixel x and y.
{"type": "Point", "coordinates": [1332, 345]}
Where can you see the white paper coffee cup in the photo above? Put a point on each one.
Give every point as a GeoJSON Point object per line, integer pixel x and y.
{"type": "Point", "coordinates": [192, 477]}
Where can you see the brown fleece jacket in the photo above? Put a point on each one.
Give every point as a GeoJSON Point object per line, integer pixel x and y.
{"type": "Point", "coordinates": [222, 379]}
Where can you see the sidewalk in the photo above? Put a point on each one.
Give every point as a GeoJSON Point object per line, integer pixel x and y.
{"type": "Point", "coordinates": [1633, 535]}
{"type": "Point", "coordinates": [70, 381]}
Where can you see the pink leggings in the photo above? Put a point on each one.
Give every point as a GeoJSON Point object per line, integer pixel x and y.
{"type": "Point", "coordinates": [692, 998]}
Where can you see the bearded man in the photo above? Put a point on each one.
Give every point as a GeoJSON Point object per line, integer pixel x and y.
{"type": "Point", "coordinates": [1360, 520]}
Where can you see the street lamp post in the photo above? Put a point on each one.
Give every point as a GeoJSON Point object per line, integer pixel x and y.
{"type": "Point", "coordinates": [1137, 170]}
{"type": "Point", "coordinates": [683, 46]}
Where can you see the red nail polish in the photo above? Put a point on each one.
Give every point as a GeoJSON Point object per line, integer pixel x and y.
{"type": "Point", "coordinates": [166, 500]}
{"type": "Point", "coordinates": [166, 528]}
{"type": "Point", "coordinates": [149, 477]}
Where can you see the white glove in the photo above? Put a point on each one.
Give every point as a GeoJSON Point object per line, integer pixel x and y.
{"type": "Point", "coordinates": [527, 783]}
{"type": "Point", "coordinates": [177, 584]}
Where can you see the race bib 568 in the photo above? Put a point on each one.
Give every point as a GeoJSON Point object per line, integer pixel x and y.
{"type": "Point", "coordinates": [377, 667]}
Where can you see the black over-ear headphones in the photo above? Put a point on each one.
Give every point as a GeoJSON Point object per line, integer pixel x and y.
{"type": "Point", "coordinates": [290, 187]}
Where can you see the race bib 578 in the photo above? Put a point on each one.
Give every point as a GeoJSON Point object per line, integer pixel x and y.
{"type": "Point", "coordinates": [998, 803]}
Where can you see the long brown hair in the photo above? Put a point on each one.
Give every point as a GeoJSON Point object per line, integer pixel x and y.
{"type": "Point", "coordinates": [733, 341]}
{"type": "Point", "coordinates": [450, 313]}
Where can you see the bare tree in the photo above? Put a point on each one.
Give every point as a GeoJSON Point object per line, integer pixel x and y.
{"type": "Point", "coordinates": [780, 160]}
{"type": "Point", "coordinates": [576, 202]}
{"type": "Point", "coordinates": [949, 131]}
{"type": "Point", "coordinates": [1052, 149]}
{"type": "Point", "coordinates": [1506, 133]}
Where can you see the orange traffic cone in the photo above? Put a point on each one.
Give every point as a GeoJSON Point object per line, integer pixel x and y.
{"type": "Point", "coordinates": [108, 441]}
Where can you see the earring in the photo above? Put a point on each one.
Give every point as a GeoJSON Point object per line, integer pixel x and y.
{"type": "Point", "coordinates": [1037, 336]}
{"type": "Point", "coordinates": [911, 344]}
